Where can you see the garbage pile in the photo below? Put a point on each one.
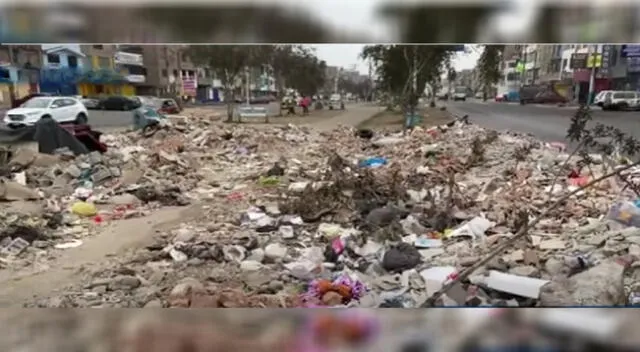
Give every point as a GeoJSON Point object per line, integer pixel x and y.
{"type": "Point", "coordinates": [349, 219]}
{"type": "Point", "coordinates": [56, 200]}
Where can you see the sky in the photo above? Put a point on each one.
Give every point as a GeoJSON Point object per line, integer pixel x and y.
{"type": "Point", "coordinates": [348, 55]}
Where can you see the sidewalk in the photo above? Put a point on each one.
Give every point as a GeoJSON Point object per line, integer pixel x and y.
{"type": "Point", "coordinates": [564, 107]}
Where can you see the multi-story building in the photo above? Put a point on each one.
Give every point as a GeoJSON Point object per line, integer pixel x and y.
{"type": "Point", "coordinates": [62, 67]}
{"type": "Point", "coordinates": [19, 71]}
{"type": "Point", "coordinates": [100, 72]}
{"type": "Point", "coordinates": [170, 70]}
{"type": "Point", "coordinates": [129, 61]}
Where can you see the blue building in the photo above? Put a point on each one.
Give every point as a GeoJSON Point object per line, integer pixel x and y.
{"type": "Point", "coordinates": [62, 66]}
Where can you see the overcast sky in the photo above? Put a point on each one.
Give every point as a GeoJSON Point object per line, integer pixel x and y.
{"type": "Point", "coordinates": [347, 55]}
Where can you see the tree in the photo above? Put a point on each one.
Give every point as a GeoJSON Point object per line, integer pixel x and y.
{"type": "Point", "coordinates": [293, 66]}
{"type": "Point", "coordinates": [396, 66]}
{"type": "Point", "coordinates": [488, 66]}
{"type": "Point", "coordinates": [307, 73]}
{"type": "Point", "coordinates": [228, 62]}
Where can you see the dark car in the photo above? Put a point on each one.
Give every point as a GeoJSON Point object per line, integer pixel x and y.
{"type": "Point", "coordinates": [91, 103]}
{"type": "Point", "coordinates": [540, 94]}
{"type": "Point", "coordinates": [120, 103]}
{"type": "Point", "coordinates": [17, 102]}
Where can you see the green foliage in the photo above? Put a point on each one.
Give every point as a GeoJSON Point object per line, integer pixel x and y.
{"type": "Point", "coordinates": [489, 64]}
{"type": "Point", "coordinates": [294, 66]}
{"type": "Point", "coordinates": [394, 65]}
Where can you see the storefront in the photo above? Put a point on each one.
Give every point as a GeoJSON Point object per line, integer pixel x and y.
{"type": "Point", "coordinates": [104, 82]}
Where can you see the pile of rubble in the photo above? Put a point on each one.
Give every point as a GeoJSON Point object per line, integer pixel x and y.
{"type": "Point", "coordinates": [293, 218]}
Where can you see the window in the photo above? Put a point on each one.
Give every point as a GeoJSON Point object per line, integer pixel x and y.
{"type": "Point", "coordinates": [512, 64]}
{"type": "Point", "coordinates": [53, 58]}
{"type": "Point", "coordinates": [73, 61]}
{"type": "Point", "coordinates": [136, 70]}
{"type": "Point", "coordinates": [164, 72]}
{"type": "Point", "coordinates": [565, 62]}
{"type": "Point", "coordinates": [99, 47]}
{"type": "Point", "coordinates": [69, 102]}
{"type": "Point", "coordinates": [175, 73]}
{"type": "Point", "coordinates": [4, 73]}
{"type": "Point", "coordinates": [104, 62]}
{"type": "Point", "coordinates": [58, 102]}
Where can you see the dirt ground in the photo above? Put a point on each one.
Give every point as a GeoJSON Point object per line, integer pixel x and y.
{"type": "Point", "coordinates": [114, 240]}
{"type": "Point", "coordinates": [395, 119]}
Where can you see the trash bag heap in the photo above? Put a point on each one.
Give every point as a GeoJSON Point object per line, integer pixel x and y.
{"type": "Point", "coordinates": [291, 217]}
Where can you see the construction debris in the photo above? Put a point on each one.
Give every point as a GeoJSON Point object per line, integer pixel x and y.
{"type": "Point", "coordinates": [294, 218]}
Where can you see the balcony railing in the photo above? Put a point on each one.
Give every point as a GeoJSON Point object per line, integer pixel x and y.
{"type": "Point", "coordinates": [133, 49]}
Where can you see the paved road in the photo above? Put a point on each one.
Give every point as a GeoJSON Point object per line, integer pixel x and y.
{"type": "Point", "coordinates": [549, 123]}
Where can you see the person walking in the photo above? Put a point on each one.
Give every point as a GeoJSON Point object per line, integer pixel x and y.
{"type": "Point", "coordinates": [305, 102]}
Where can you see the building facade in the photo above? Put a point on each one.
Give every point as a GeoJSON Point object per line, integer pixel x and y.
{"type": "Point", "coordinates": [100, 75]}
{"type": "Point", "coordinates": [62, 66]}
{"type": "Point", "coordinates": [19, 71]}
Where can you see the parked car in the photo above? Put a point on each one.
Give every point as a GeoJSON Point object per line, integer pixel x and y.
{"type": "Point", "coordinates": [91, 103]}
{"type": "Point", "coordinates": [61, 109]}
{"type": "Point", "coordinates": [540, 94]}
{"type": "Point", "coordinates": [16, 103]}
{"type": "Point", "coordinates": [117, 102]}
{"type": "Point", "coordinates": [549, 97]}
{"type": "Point", "coordinates": [601, 97]}
{"type": "Point", "coordinates": [620, 100]}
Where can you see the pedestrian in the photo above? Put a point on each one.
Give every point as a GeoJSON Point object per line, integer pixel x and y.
{"type": "Point", "coordinates": [305, 102]}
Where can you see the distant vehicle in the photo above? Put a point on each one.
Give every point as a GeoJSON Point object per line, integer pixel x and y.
{"type": "Point", "coordinates": [621, 100]}
{"type": "Point", "coordinates": [91, 103]}
{"type": "Point", "coordinates": [335, 102]}
{"type": "Point", "coordinates": [169, 106]}
{"type": "Point", "coordinates": [479, 95]}
{"type": "Point", "coordinates": [16, 103]}
{"type": "Point", "coordinates": [120, 103]}
{"type": "Point", "coordinates": [61, 109]}
{"type": "Point", "coordinates": [460, 93]}
{"type": "Point", "coordinates": [540, 94]}
{"type": "Point", "coordinates": [144, 100]}
{"type": "Point", "coordinates": [601, 97]}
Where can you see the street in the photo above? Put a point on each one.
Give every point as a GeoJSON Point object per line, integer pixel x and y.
{"type": "Point", "coordinates": [549, 123]}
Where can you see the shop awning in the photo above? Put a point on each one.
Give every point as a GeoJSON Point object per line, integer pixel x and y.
{"type": "Point", "coordinates": [103, 76]}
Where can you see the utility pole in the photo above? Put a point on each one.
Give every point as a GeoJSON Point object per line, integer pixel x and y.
{"type": "Point", "coordinates": [247, 85]}
{"type": "Point", "coordinates": [524, 65]}
{"type": "Point", "coordinates": [593, 53]}
{"type": "Point", "coordinates": [370, 95]}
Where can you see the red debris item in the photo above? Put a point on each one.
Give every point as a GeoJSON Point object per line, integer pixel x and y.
{"type": "Point", "coordinates": [98, 219]}
{"type": "Point", "coordinates": [579, 181]}
{"type": "Point", "coordinates": [559, 146]}
{"type": "Point", "coordinates": [235, 196]}
{"type": "Point", "coordinates": [337, 245]}
{"type": "Point", "coordinates": [433, 132]}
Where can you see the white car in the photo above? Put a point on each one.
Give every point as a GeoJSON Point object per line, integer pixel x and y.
{"type": "Point", "coordinates": [618, 100]}
{"type": "Point", "coordinates": [61, 109]}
